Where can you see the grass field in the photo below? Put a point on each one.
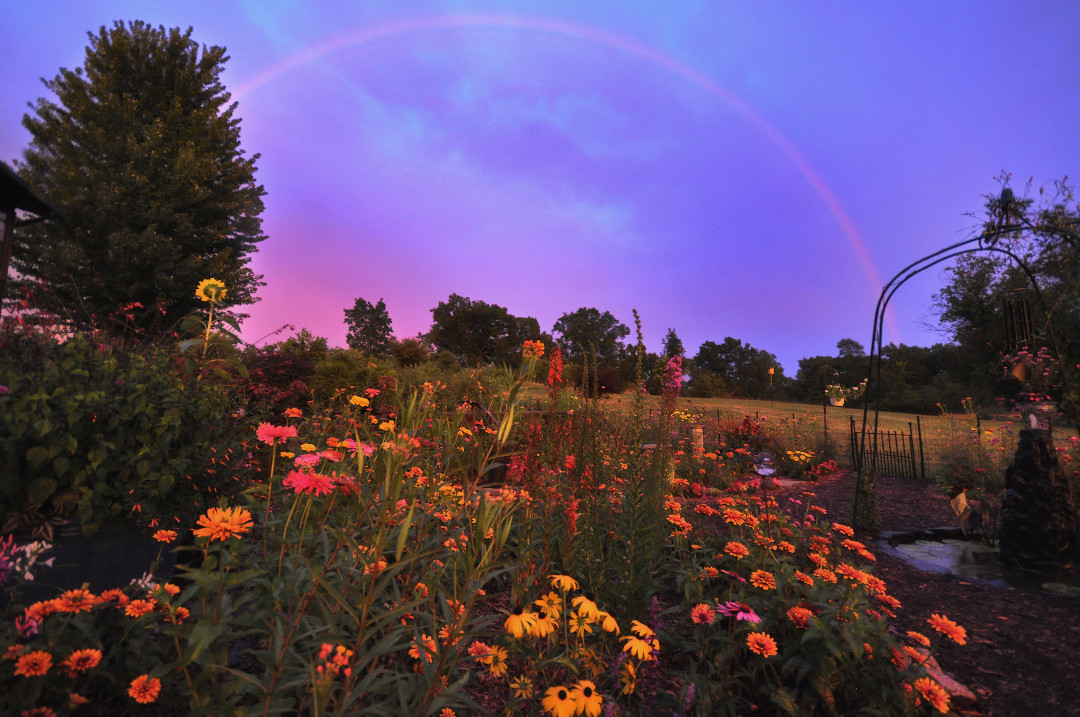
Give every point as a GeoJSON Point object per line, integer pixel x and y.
{"type": "Point", "coordinates": [939, 432]}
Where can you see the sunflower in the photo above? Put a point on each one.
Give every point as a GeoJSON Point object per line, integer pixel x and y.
{"type": "Point", "coordinates": [580, 624]}
{"type": "Point", "coordinates": [637, 647]}
{"type": "Point", "coordinates": [586, 698]}
{"type": "Point", "coordinates": [607, 622]}
{"type": "Point", "coordinates": [551, 604]}
{"type": "Point", "coordinates": [557, 701]}
{"type": "Point", "coordinates": [211, 290]}
{"type": "Point", "coordinates": [585, 606]}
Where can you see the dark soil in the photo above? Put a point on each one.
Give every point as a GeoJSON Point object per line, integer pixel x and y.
{"type": "Point", "coordinates": [1023, 648]}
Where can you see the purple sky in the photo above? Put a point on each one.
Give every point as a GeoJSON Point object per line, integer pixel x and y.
{"type": "Point", "coordinates": [746, 169]}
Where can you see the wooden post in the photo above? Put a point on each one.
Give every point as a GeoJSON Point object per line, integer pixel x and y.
{"type": "Point", "coordinates": [911, 443]}
{"type": "Point", "coordinates": [8, 217]}
{"type": "Point", "coordinates": [922, 462]}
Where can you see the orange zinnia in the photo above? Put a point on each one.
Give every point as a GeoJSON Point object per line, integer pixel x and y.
{"type": "Point", "coordinates": [82, 660]}
{"type": "Point", "coordinates": [218, 524]}
{"type": "Point", "coordinates": [77, 601]}
{"type": "Point", "coordinates": [736, 549]}
{"type": "Point", "coordinates": [934, 693]}
{"type": "Point", "coordinates": [946, 626]}
{"type": "Point", "coordinates": [145, 689]}
{"type": "Point", "coordinates": [763, 579]}
{"type": "Point", "coordinates": [33, 664]}
{"type": "Point", "coordinates": [165, 536]}
{"type": "Point", "coordinates": [138, 608]}
{"type": "Point", "coordinates": [761, 643]}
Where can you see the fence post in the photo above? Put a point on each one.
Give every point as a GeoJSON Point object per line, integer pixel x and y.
{"type": "Point", "coordinates": [922, 462]}
{"type": "Point", "coordinates": [855, 457]}
{"type": "Point", "coordinates": [911, 443]}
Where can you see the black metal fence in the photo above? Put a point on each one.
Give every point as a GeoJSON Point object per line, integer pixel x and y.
{"type": "Point", "coordinates": [889, 453]}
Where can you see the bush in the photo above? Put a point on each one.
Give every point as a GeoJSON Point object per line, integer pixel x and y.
{"type": "Point", "coordinates": [105, 434]}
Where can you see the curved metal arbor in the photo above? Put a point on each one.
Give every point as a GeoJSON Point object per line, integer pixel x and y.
{"type": "Point", "coordinates": [1008, 222]}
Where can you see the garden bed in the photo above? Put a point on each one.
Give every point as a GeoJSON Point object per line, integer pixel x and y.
{"type": "Point", "coordinates": [1022, 646]}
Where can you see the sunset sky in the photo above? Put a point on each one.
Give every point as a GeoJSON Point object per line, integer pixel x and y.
{"type": "Point", "coordinates": [746, 169]}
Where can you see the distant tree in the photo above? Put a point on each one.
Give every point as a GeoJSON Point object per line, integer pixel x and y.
{"type": "Point", "coordinates": [673, 345]}
{"type": "Point", "coordinates": [742, 369]}
{"type": "Point", "coordinates": [141, 153]}
{"type": "Point", "coordinates": [305, 344]}
{"type": "Point", "coordinates": [586, 331]}
{"type": "Point", "coordinates": [370, 328]}
{"type": "Point", "coordinates": [410, 351]}
{"type": "Point", "coordinates": [476, 332]}
{"type": "Point", "coordinates": [850, 348]}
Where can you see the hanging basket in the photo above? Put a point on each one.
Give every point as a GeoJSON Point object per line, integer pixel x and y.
{"type": "Point", "coordinates": [836, 401]}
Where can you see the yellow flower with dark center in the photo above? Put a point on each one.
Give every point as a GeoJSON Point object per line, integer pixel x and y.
{"type": "Point", "coordinates": [211, 290]}
{"type": "Point", "coordinates": [641, 629]}
{"type": "Point", "coordinates": [585, 606]}
{"type": "Point", "coordinates": [586, 698]}
{"type": "Point", "coordinates": [607, 622]}
{"type": "Point", "coordinates": [543, 626]}
{"type": "Point", "coordinates": [637, 647]}
{"type": "Point", "coordinates": [551, 604]}
{"type": "Point", "coordinates": [522, 687]}
{"type": "Point", "coordinates": [497, 661]}
{"type": "Point", "coordinates": [519, 622]}
{"type": "Point", "coordinates": [563, 582]}
{"type": "Point", "coordinates": [580, 624]}
{"type": "Point", "coordinates": [558, 702]}
{"type": "Point", "coordinates": [628, 677]}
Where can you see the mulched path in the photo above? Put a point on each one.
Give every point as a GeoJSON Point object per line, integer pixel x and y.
{"type": "Point", "coordinates": [1023, 648]}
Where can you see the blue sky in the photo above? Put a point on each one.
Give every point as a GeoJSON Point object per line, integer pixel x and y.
{"type": "Point", "coordinates": [746, 169]}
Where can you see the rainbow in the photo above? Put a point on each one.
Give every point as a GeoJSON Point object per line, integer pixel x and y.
{"type": "Point", "coordinates": [387, 30]}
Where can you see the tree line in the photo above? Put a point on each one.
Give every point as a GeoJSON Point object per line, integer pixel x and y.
{"type": "Point", "coordinates": [140, 151]}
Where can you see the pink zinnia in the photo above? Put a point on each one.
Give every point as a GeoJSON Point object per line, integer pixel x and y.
{"type": "Point", "coordinates": [308, 459]}
{"type": "Point", "coordinates": [740, 611]}
{"type": "Point", "coordinates": [274, 434]}
{"type": "Point", "coordinates": [309, 483]}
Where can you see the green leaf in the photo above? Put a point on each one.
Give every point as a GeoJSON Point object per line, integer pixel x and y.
{"type": "Point", "coordinates": [403, 534]}
{"type": "Point", "coordinates": [37, 456]}
{"type": "Point", "coordinates": [202, 636]}
{"type": "Point", "coordinates": [40, 489]}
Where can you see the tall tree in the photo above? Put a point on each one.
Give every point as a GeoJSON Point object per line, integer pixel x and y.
{"type": "Point", "coordinates": [1044, 234]}
{"type": "Point", "coordinates": [742, 369]}
{"type": "Point", "coordinates": [586, 331]}
{"type": "Point", "coordinates": [673, 345]}
{"type": "Point", "coordinates": [480, 333]}
{"type": "Point", "coordinates": [141, 153]}
{"type": "Point", "coordinates": [370, 328]}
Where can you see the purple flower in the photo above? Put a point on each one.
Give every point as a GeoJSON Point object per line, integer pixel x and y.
{"type": "Point", "coordinates": [4, 390]}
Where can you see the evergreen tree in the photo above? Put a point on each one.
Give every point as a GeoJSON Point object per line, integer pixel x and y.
{"type": "Point", "coordinates": [369, 328]}
{"type": "Point", "coordinates": [673, 345]}
{"type": "Point", "coordinates": [141, 153]}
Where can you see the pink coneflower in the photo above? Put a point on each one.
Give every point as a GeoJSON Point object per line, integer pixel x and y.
{"type": "Point", "coordinates": [315, 483]}
{"type": "Point", "coordinates": [738, 610]}
{"type": "Point", "coordinates": [274, 434]}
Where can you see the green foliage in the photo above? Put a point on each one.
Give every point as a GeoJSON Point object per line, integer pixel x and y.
{"type": "Point", "coordinates": [589, 333]}
{"type": "Point", "coordinates": [141, 153]}
{"type": "Point", "coordinates": [103, 434]}
{"type": "Point", "coordinates": [742, 369]}
{"type": "Point", "coordinates": [673, 345]}
{"type": "Point", "coordinates": [476, 332]}
{"type": "Point", "coordinates": [370, 329]}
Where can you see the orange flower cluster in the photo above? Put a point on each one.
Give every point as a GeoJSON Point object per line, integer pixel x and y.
{"type": "Point", "coordinates": [222, 524]}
